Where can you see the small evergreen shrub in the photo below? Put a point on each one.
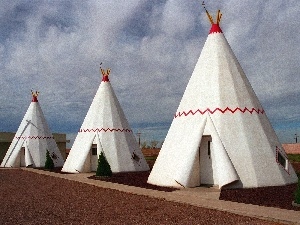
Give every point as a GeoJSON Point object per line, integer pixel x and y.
{"type": "Point", "coordinates": [49, 164]}
{"type": "Point", "coordinates": [297, 193]}
{"type": "Point", "coordinates": [103, 168]}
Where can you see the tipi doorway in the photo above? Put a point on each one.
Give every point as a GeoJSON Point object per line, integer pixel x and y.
{"type": "Point", "coordinates": [206, 161]}
{"type": "Point", "coordinates": [22, 157]}
{"type": "Point", "coordinates": [94, 157]}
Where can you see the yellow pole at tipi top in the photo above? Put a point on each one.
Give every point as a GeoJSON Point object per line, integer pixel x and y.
{"type": "Point", "coordinates": [34, 95]}
{"type": "Point", "coordinates": [219, 15]}
{"type": "Point", "coordinates": [215, 28]}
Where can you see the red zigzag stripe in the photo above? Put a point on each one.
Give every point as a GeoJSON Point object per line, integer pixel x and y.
{"type": "Point", "coordinates": [227, 109]}
{"type": "Point", "coordinates": [34, 137]}
{"type": "Point", "coordinates": [105, 130]}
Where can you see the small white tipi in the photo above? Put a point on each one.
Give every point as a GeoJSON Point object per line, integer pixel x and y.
{"type": "Point", "coordinates": [220, 134]}
{"type": "Point", "coordinates": [32, 140]}
{"type": "Point", "coordinates": [105, 129]}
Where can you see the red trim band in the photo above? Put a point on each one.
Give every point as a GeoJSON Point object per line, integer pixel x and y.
{"type": "Point", "coordinates": [105, 130]}
{"type": "Point", "coordinates": [105, 78]}
{"type": "Point", "coordinates": [227, 109]}
{"type": "Point", "coordinates": [34, 99]}
{"type": "Point", "coordinates": [215, 28]}
{"type": "Point", "coordinates": [34, 137]}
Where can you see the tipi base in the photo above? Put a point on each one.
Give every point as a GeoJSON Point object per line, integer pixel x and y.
{"type": "Point", "coordinates": [295, 204]}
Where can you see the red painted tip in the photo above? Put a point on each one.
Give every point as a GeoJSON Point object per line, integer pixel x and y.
{"type": "Point", "coordinates": [105, 78]}
{"type": "Point", "coordinates": [215, 28]}
{"type": "Point", "coordinates": [34, 99]}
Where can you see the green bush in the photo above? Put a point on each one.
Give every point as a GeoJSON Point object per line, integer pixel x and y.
{"type": "Point", "coordinates": [49, 164]}
{"type": "Point", "coordinates": [294, 157]}
{"type": "Point", "coordinates": [103, 168]}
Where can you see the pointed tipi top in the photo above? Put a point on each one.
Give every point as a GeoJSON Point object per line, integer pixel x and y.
{"type": "Point", "coordinates": [105, 74]}
{"type": "Point", "coordinates": [34, 96]}
{"type": "Point", "coordinates": [215, 28]}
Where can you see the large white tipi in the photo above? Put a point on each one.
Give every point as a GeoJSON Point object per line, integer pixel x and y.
{"type": "Point", "coordinates": [105, 129]}
{"type": "Point", "coordinates": [32, 140]}
{"type": "Point", "coordinates": [220, 134]}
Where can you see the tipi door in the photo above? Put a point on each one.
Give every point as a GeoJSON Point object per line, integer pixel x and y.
{"type": "Point", "coordinates": [94, 158]}
{"type": "Point", "coordinates": [205, 160]}
{"type": "Point", "coordinates": [22, 157]}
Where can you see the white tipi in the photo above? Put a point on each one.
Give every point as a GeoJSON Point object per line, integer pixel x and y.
{"type": "Point", "coordinates": [220, 134]}
{"type": "Point", "coordinates": [105, 129]}
{"type": "Point", "coordinates": [32, 140]}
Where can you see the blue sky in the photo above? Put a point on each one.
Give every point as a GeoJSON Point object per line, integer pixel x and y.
{"type": "Point", "coordinates": [151, 47]}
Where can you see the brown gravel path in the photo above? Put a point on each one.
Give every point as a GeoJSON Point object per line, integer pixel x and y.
{"type": "Point", "coordinates": [30, 198]}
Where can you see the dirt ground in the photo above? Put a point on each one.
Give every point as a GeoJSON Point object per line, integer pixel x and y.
{"type": "Point", "coordinates": [30, 198]}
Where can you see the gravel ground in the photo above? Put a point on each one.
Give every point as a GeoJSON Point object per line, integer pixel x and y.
{"type": "Point", "coordinates": [279, 197]}
{"type": "Point", "coordinates": [30, 198]}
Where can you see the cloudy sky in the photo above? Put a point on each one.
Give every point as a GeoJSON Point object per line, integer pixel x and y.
{"type": "Point", "coordinates": [56, 47]}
